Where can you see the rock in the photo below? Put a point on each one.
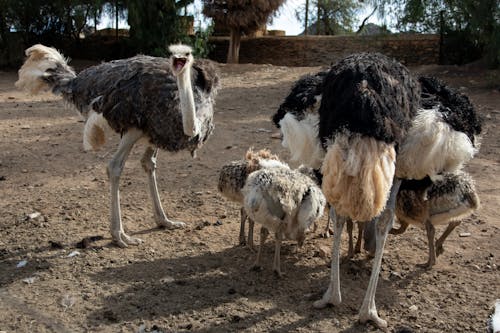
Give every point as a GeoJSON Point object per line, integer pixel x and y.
{"type": "Point", "coordinates": [323, 251]}
{"type": "Point", "coordinates": [33, 215]}
{"type": "Point", "coordinates": [22, 263]}
{"type": "Point", "coordinates": [464, 234]}
{"type": "Point", "coordinates": [29, 280]}
{"type": "Point", "coordinates": [73, 254]}
{"type": "Point", "coordinates": [67, 301]}
{"type": "Point", "coordinates": [413, 308]}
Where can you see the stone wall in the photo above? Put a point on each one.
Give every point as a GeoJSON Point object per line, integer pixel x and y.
{"type": "Point", "coordinates": [410, 49]}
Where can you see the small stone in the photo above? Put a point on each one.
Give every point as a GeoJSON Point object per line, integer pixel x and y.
{"type": "Point", "coordinates": [323, 251]}
{"type": "Point", "coordinates": [29, 280]}
{"type": "Point", "coordinates": [464, 234]}
{"type": "Point", "coordinates": [25, 127]}
{"type": "Point", "coordinates": [34, 215]}
{"type": "Point", "coordinates": [413, 308]}
{"type": "Point", "coordinates": [73, 254]}
{"type": "Point", "coordinates": [22, 263]}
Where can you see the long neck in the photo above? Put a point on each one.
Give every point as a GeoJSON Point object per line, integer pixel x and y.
{"type": "Point", "coordinates": [188, 108]}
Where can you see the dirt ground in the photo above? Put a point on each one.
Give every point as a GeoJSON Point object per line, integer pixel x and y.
{"type": "Point", "coordinates": [198, 279]}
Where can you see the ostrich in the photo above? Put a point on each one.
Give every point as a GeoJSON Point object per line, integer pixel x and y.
{"type": "Point", "coordinates": [493, 323]}
{"type": "Point", "coordinates": [426, 203]}
{"type": "Point", "coordinates": [284, 201]}
{"type": "Point", "coordinates": [169, 102]}
{"type": "Point", "coordinates": [369, 112]}
{"type": "Point", "coordinates": [298, 114]}
{"type": "Point", "coordinates": [232, 178]}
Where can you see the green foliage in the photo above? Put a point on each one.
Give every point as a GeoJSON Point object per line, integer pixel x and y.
{"type": "Point", "coordinates": [200, 41]}
{"type": "Point", "coordinates": [471, 27]}
{"type": "Point", "coordinates": [155, 24]}
{"type": "Point", "coordinates": [331, 17]}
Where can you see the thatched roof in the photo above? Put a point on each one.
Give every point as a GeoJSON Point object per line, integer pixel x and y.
{"type": "Point", "coordinates": [248, 15]}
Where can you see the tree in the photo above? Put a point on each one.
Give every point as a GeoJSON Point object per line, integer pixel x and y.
{"type": "Point", "coordinates": [471, 25]}
{"type": "Point", "coordinates": [331, 18]}
{"type": "Point", "coordinates": [241, 17]}
{"type": "Point", "coordinates": [154, 24]}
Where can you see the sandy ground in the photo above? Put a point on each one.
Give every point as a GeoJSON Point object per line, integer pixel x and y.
{"type": "Point", "coordinates": [198, 279]}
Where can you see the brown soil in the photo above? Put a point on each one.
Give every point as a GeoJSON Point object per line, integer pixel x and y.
{"type": "Point", "coordinates": [198, 279]}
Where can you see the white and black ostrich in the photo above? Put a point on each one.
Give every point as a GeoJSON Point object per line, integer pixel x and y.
{"type": "Point", "coordinates": [169, 102]}
{"type": "Point", "coordinates": [426, 204]}
{"type": "Point", "coordinates": [284, 201]}
{"type": "Point", "coordinates": [369, 112]}
{"type": "Point", "coordinates": [232, 177]}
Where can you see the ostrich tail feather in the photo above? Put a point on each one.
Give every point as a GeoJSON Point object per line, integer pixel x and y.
{"type": "Point", "coordinates": [94, 132]}
{"type": "Point", "coordinates": [44, 69]}
{"type": "Point", "coordinates": [357, 175]}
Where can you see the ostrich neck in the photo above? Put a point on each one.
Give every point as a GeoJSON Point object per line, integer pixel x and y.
{"type": "Point", "coordinates": [186, 97]}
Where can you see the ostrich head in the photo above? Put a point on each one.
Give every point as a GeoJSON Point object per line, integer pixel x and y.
{"type": "Point", "coordinates": [181, 58]}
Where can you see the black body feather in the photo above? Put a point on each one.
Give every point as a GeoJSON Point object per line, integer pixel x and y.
{"type": "Point", "coordinates": [382, 107]}
{"type": "Point", "coordinates": [141, 92]}
{"type": "Point", "coordinates": [455, 107]}
{"type": "Point", "coordinates": [302, 96]}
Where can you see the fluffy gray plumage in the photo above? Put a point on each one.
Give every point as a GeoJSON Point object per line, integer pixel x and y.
{"type": "Point", "coordinates": [141, 92]}
{"type": "Point", "coordinates": [426, 204]}
{"type": "Point", "coordinates": [284, 201]}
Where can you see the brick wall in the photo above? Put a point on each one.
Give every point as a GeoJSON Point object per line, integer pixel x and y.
{"type": "Point", "coordinates": [410, 49]}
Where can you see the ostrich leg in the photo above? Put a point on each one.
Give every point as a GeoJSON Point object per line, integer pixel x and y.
{"type": "Point", "coordinates": [350, 225]}
{"type": "Point", "coordinates": [277, 252]}
{"type": "Point", "coordinates": [243, 218]}
{"type": "Point", "coordinates": [439, 243]}
{"type": "Point", "coordinates": [148, 162]}
{"type": "Point", "coordinates": [115, 168]}
{"type": "Point", "coordinates": [383, 224]}
{"type": "Point", "coordinates": [263, 235]}
{"type": "Point", "coordinates": [431, 232]}
{"type": "Point", "coordinates": [332, 295]}
{"type": "Point", "coordinates": [361, 228]}
{"type": "Point", "coordinates": [251, 224]}
{"type": "Point", "coordinates": [400, 230]}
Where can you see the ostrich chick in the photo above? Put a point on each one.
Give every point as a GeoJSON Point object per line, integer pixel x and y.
{"type": "Point", "coordinates": [426, 203]}
{"type": "Point", "coordinates": [286, 202]}
{"type": "Point", "coordinates": [168, 102]}
{"type": "Point", "coordinates": [232, 178]}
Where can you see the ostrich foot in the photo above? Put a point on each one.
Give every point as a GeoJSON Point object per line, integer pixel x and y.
{"type": "Point", "coordinates": [169, 224]}
{"type": "Point", "coordinates": [278, 273]}
{"type": "Point", "coordinates": [256, 268]}
{"type": "Point", "coordinates": [123, 240]}
{"type": "Point", "coordinates": [373, 317]}
{"type": "Point", "coordinates": [327, 299]}
{"type": "Point", "coordinates": [327, 233]}
{"type": "Point", "coordinates": [427, 265]}
{"type": "Point", "coordinates": [439, 250]}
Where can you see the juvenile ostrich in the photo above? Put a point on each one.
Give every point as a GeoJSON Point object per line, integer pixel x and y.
{"type": "Point", "coordinates": [284, 201]}
{"type": "Point", "coordinates": [369, 108]}
{"type": "Point", "coordinates": [426, 204]}
{"type": "Point", "coordinates": [169, 102]}
{"type": "Point", "coordinates": [232, 177]}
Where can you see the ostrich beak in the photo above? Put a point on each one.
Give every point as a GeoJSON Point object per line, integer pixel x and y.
{"type": "Point", "coordinates": [178, 63]}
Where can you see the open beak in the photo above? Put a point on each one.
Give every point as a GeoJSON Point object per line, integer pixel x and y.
{"type": "Point", "coordinates": [179, 63]}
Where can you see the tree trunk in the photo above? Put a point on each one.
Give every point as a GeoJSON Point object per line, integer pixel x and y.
{"type": "Point", "coordinates": [116, 19]}
{"type": "Point", "coordinates": [318, 18]}
{"type": "Point", "coordinates": [233, 51]}
{"type": "Point", "coordinates": [307, 17]}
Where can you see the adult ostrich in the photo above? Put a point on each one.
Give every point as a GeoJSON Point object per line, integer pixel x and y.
{"type": "Point", "coordinates": [369, 115]}
{"type": "Point", "coordinates": [169, 102]}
